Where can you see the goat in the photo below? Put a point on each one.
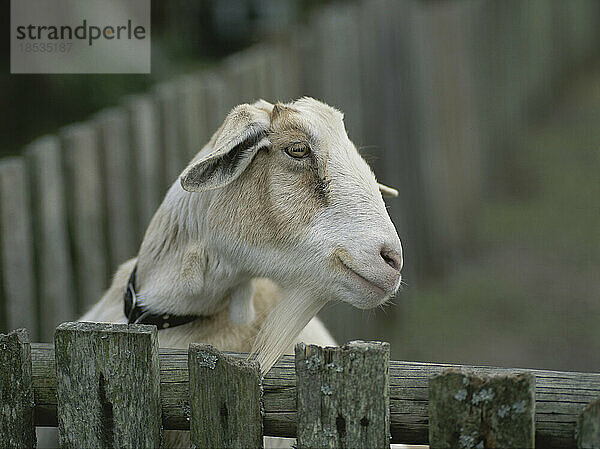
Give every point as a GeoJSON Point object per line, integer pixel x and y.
{"type": "Point", "coordinates": [277, 215]}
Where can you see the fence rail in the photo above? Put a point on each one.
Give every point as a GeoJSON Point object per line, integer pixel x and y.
{"type": "Point", "coordinates": [96, 378]}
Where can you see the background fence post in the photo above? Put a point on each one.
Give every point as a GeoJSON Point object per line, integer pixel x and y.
{"type": "Point", "coordinates": [148, 183]}
{"type": "Point", "coordinates": [16, 392]}
{"type": "Point", "coordinates": [219, 100]}
{"type": "Point", "coordinates": [473, 412]}
{"type": "Point", "coordinates": [87, 213]}
{"type": "Point", "coordinates": [17, 296]}
{"type": "Point", "coordinates": [588, 426]}
{"type": "Point", "coordinates": [55, 283]}
{"type": "Point", "coordinates": [225, 400]}
{"type": "Point", "coordinates": [343, 395]}
{"type": "Point", "coordinates": [118, 175]}
{"type": "Point", "coordinates": [170, 136]}
{"type": "Point", "coordinates": [192, 103]}
{"type": "Point", "coordinates": [108, 385]}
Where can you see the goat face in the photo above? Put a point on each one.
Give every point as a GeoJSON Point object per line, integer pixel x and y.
{"type": "Point", "coordinates": [294, 201]}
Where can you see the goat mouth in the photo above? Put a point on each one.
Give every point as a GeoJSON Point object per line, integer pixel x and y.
{"type": "Point", "coordinates": [363, 280]}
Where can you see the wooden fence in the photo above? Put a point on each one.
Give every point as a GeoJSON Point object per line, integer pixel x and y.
{"type": "Point", "coordinates": [109, 385]}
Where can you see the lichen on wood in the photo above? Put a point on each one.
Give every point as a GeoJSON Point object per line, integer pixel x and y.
{"type": "Point", "coordinates": [469, 411]}
{"type": "Point", "coordinates": [225, 400]}
{"type": "Point", "coordinates": [588, 427]}
{"type": "Point", "coordinates": [17, 428]}
{"type": "Point", "coordinates": [343, 395]}
{"type": "Point", "coordinates": [108, 385]}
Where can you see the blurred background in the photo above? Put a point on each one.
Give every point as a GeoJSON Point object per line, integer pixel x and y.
{"type": "Point", "coordinates": [484, 114]}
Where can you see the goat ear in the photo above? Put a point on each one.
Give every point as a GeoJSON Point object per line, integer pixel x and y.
{"type": "Point", "coordinates": [243, 133]}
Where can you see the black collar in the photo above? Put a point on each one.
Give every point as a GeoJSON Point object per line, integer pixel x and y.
{"type": "Point", "coordinates": [136, 313]}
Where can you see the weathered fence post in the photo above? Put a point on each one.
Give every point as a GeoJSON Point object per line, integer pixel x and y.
{"type": "Point", "coordinates": [192, 103]}
{"type": "Point", "coordinates": [17, 429]}
{"type": "Point", "coordinates": [85, 201]}
{"type": "Point", "coordinates": [588, 426]}
{"type": "Point", "coordinates": [170, 136]}
{"type": "Point", "coordinates": [474, 412]}
{"type": "Point", "coordinates": [240, 75]}
{"type": "Point", "coordinates": [55, 282]}
{"type": "Point", "coordinates": [17, 295]}
{"type": "Point", "coordinates": [121, 211]}
{"type": "Point", "coordinates": [108, 385]}
{"type": "Point", "coordinates": [147, 159]}
{"type": "Point", "coordinates": [225, 400]}
{"type": "Point", "coordinates": [343, 395]}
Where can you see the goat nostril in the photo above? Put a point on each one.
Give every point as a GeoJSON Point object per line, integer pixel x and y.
{"type": "Point", "coordinates": [392, 258]}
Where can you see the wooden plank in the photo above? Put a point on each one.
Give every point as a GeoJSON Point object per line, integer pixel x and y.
{"type": "Point", "coordinates": [108, 385]}
{"type": "Point", "coordinates": [560, 396]}
{"type": "Point", "coordinates": [118, 176]}
{"type": "Point", "coordinates": [192, 102]}
{"type": "Point", "coordinates": [446, 139]}
{"type": "Point", "coordinates": [298, 59]}
{"type": "Point", "coordinates": [240, 77]}
{"type": "Point", "coordinates": [225, 399]}
{"type": "Point", "coordinates": [17, 428]}
{"type": "Point", "coordinates": [170, 136]}
{"type": "Point", "coordinates": [337, 47]}
{"type": "Point", "coordinates": [276, 74]}
{"type": "Point", "coordinates": [219, 100]}
{"type": "Point", "coordinates": [588, 426]}
{"type": "Point", "coordinates": [16, 246]}
{"type": "Point", "coordinates": [148, 183]}
{"type": "Point", "coordinates": [470, 411]}
{"type": "Point", "coordinates": [85, 201]}
{"type": "Point", "coordinates": [343, 395]}
{"type": "Point", "coordinates": [261, 60]}
{"type": "Point", "coordinates": [55, 282]}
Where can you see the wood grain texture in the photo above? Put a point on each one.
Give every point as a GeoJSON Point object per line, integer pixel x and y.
{"type": "Point", "coordinates": [225, 399]}
{"type": "Point", "coordinates": [239, 72]}
{"type": "Point", "coordinates": [85, 201]}
{"type": "Point", "coordinates": [55, 282]}
{"type": "Point", "coordinates": [17, 275]}
{"type": "Point", "coordinates": [192, 102]}
{"type": "Point", "coordinates": [336, 61]}
{"type": "Point", "coordinates": [219, 99]}
{"type": "Point", "coordinates": [121, 210]}
{"type": "Point", "coordinates": [171, 141]}
{"type": "Point", "coordinates": [261, 72]}
{"type": "Point", "coordinates": [343, 395]}
{"type": "Point", "coordinates": [17, 428]}
{"type": "Point", "coordinates": [560, 396]}
{"type": "Point", "coordinates": [108, 385]}
{"type": "Point", "coordinates": [444, 109]}
{"type": "Point", "coordinates": [473, 412]}
{"type": "Point", "coordinates": [148, 184]}
{"type": "Point", "coordinates": [278, 89]}
{"type": "Point", "coordinates": [588, 426]}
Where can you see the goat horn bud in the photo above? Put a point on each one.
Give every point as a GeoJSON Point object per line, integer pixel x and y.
{"type": "Point", "coordinates": [387, 191]}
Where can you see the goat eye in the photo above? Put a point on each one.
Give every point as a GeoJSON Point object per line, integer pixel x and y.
{"type": "Point", "coordinates": [298, 151]}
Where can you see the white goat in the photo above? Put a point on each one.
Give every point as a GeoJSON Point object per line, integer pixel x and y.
{"type": "Point", "coordinates": [275, 216]}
